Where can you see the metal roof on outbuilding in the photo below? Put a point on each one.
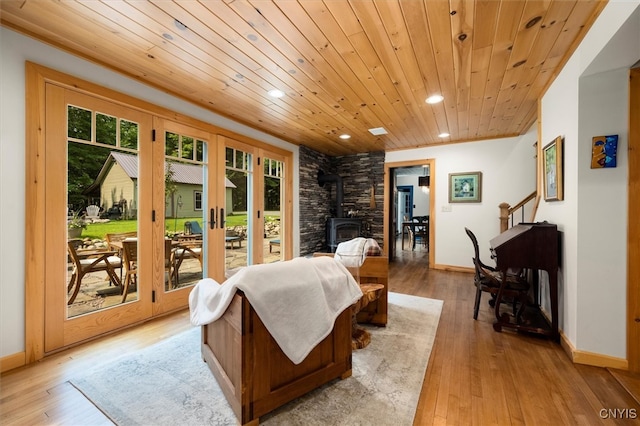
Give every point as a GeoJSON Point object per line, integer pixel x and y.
{"type": "Point", "coordinates": [182, 172]}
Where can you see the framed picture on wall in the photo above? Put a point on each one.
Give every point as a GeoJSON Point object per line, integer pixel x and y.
{"type": "Point", "coordinates": [604, 150]}
{"type": "Point", "coordinates": [552, 157]}
{"type": "Point", "coordinates": [465, 187]}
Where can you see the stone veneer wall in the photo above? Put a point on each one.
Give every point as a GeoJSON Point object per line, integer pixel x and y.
{"type": "Point", "coordinates": [314, 201]}
{"type": "Point", "coordinates": [359, 172]}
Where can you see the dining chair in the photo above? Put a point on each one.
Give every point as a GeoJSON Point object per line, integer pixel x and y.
{"type": "Point", "coordinates": [88, 261]}
{"type": "Point", "coordinates": [421, 230]}
{"type": "Point", "coordinates": [488, 279]}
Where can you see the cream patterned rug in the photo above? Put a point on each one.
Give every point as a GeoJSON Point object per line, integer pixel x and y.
{"type": "Point", "coordinates": [169, 384]}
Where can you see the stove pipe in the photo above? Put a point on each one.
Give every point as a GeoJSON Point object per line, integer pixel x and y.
{"type": "Point", "coordinates": [322, 179]}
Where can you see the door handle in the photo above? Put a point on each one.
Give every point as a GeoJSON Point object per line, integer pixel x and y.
{"type": "Point", "coordinates": [222, 221]}
{"type": "Point", "coordinates": [212, 219]}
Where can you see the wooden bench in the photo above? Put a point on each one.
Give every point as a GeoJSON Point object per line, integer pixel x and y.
{"type": "Point", "coordinates": [273, 243]}
{"type": "Point", "coordinates": [254, 374]}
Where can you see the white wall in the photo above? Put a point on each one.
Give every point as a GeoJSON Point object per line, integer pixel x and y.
{"type": "Point", "coordinates": [420, 195]}
{"type": "Point", "coordinates": [602, 215]}
{"type": "Point", "coordinates": [589, 98]}
{"type": "Point", "coordinates": [508, 175]}
{"type": "Point", "coordinates": [15, 49]}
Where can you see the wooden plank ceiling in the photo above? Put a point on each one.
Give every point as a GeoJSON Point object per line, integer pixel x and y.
{"type": "Point", "coordinates": [345, 66]}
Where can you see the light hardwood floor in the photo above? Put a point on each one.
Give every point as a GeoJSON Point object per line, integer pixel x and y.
{"type": "Point", "coordinates": [475, 375]}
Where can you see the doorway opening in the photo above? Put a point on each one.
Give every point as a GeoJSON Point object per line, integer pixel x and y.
{"type": "Point", "coordinates": [409, 196]}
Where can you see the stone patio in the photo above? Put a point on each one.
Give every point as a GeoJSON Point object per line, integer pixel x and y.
{"type": "Point", "coordinates": [96, 292]}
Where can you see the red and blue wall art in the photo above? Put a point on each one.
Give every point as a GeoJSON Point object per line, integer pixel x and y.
{"type": "Point", "coordinates": [603, 151]}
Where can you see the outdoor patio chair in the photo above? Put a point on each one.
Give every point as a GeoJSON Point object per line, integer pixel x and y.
{"type": "Point", "coordinates": [93, 212]}
{"type": "Point", "coordinates": [130, 261]}
{"type": "Point", "coordinates": [88, 261]}
{"type": "Point", "coordinates": [187, 248]}
{"type": "Point", "coordinates": [192, 227]}
{"type": "Point", "coordinates": [121, 236]}
{"type": "Point", "coordinates": [118, 238]}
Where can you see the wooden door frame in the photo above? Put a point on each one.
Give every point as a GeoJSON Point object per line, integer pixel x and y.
{"type": "Point", "coordinates": [388, 203]}
{"type": "Point", "coordinates": [633, 236]}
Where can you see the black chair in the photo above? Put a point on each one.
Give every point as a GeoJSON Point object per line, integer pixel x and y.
{"type": "Point", "coordinates": [421, 233]}
{"type": "Point", "coordinates": [487, 279]}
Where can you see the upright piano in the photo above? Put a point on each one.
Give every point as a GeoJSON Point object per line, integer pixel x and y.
{"type": "Point", "coordinates": [532, 246]}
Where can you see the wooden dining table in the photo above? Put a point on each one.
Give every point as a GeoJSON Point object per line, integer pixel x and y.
{"type": "Point", "coordinates": [117, 245]}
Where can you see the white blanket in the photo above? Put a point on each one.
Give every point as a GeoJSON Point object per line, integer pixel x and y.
{"type": "Point", "coordinates": [351, 253]}
{"type": "Point", "coordinates": [298, 300]}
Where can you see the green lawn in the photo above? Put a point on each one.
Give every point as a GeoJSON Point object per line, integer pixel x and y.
{"type": "Point", "coordinates": [99, 230]}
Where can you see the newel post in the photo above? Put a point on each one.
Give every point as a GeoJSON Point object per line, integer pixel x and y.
{"type": "Point", "coordinates": [504, 216]}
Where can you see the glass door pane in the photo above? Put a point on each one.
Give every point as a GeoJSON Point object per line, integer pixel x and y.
{"type": "Point", "coordinates": [95, 183]}
{"type": "Point", "coordinates": [238, 209]}
{"type": "Point", "coordinates": [273, 214]}
{"type": "Point", "coordinates": [102, 209]}
{"type": "Point", "coordinates": [185, 209]}
{"type": "Point", "coordinates": [182, 234]}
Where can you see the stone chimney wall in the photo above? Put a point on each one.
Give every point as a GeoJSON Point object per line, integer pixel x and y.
{"type": "Point", "coordinates": [359, 173]}
{"type": "Point", "coordinates": [315, 201]}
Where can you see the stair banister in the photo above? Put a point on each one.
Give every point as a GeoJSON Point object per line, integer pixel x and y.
{"type": "Point", "coordinates": [506, 211]}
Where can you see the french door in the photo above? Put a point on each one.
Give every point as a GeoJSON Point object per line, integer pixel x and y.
{"type": "Point", "coordinates": [257, 193]}
{"type": "Point", "coordinates": [186, 220]}
{"type": "Point", "coordinates": [127, 209]}
{"type": "Point", "coordinates": [130, 184]}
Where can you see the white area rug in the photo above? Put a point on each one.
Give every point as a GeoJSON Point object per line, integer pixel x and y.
{"type": "Point", "coordinates": [169, 384]}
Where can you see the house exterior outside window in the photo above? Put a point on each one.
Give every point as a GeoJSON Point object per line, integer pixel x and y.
{"type": "Point", "coordinates": [197, 200]}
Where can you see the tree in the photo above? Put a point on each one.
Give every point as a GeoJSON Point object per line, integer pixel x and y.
{"type": "Point", "coordinates": [170, 188]}
{"type": "Point", "coordinates": [84, 163]}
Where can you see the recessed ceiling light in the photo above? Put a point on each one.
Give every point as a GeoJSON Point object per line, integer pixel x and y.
{"type": "Point", "coordinates": [434, 99]}
{"type": "Point", "coordinates": [377, 131]}
{"type": "Point", "coordinates": [345, 136]}
{"type": "Point", "coordinates": [275, 93]}
{"type": "Point", "coordinates": [444, 135]}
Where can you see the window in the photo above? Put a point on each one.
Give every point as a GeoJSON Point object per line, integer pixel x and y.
{"type": "Point", "coordinates": [197, 200]}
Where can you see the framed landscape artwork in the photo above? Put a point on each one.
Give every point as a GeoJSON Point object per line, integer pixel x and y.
{"type": "Point", "coordinates": [552, 157]}
{"type": "Point", "coordinates": [465, 187]}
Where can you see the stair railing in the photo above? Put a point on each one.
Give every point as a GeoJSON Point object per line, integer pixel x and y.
{"type": "Point", "coordinates": [507, 212]}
